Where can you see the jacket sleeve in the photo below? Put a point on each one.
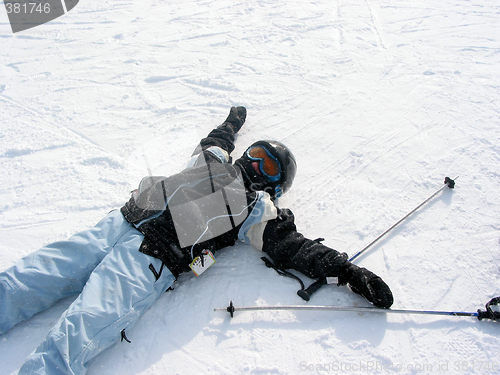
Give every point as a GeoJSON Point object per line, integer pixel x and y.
{"type": "Point", "coordinates": [215, 148]}
{"type": "Point", "coordinates": [222, 137]}
{"type": "Point", "coordinates": [290, 249]}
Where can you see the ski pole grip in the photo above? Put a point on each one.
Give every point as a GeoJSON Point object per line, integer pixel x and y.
{"type": "Point", "coordinates": [306, 294]}
{"type": "Point", "coordinates": [449, 182]}
{"type": "Point", "coordinates": [489, 313]}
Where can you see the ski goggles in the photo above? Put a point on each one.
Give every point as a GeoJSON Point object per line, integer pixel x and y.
{"type": "Point", "coordinates": [268, 164]}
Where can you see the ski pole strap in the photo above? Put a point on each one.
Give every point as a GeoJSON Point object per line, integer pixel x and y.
{"type": "Point", "coordinates": [489, 313]}
{"type": "Point", "coordinates": [282, 272]}
{"type": "Point", "coordinates": [303, 293]}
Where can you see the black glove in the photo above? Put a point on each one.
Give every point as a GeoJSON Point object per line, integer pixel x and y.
{"type": "Point", "coordinates": [237, 117]}
{"type": "Point", "coordinates": [366, 283]}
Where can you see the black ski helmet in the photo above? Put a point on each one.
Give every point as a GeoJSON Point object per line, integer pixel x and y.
{"type": "Point", "coordinates": [287, 162]}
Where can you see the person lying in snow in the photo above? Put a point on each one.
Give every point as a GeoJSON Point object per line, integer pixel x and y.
{"type": "Point", "coordinates": [169, 226]}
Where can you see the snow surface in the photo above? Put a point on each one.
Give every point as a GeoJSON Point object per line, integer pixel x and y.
{"type": "Point", "coordinates": [379, 100]}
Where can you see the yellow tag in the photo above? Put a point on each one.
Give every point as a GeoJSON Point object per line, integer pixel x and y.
{"type": "Point", "coordinates": [198, 266]}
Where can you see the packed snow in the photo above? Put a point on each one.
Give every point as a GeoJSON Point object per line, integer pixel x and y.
{"type": "Point", "coordinates": [379, 101]}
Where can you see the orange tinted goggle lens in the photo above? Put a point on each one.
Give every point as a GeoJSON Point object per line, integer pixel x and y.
{"type": "Point", "coordinates": [268, 164]}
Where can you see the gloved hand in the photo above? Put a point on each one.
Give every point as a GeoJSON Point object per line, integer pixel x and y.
{"type": "Point", "coordinates": [237, 117]}
{"type": "Point", "coordinates": [367, 284]}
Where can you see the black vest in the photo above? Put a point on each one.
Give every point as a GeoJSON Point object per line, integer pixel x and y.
{"type": "Point", "coordinates": [181, 215]}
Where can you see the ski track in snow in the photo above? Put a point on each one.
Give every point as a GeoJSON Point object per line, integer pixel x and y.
{"type": "Point", "coordinates": [379, 102]}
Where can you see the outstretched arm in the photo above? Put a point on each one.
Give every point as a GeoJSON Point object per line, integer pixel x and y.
{"type": "Point", "coordinates": [290, 249]}
{"type": "Point", "coordinates": [223, 135]}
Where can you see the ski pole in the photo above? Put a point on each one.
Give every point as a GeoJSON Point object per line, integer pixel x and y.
{"type": "Point", "coordinates": [480, 314]}
{"type": "Point", "coordinates": [448, 182]}
{"type": "Point", "coordinates": [306, 294]}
